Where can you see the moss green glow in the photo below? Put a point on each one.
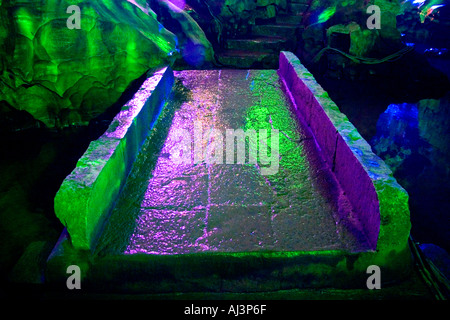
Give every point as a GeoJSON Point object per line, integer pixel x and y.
{"type": "Point", "coordinates": [74, 75]}
{"type": "Point", "coordinates": [25, 23]}
{"type": "Point", "coordinates": [269, 114]}
{"type": "Point", "coordinates": [327, 14]}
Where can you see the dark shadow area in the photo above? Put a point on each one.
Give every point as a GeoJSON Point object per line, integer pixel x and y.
{"type": "Point", "coordinates": [37, 162]}
{"type": "Point", "coordinates": [405, 140]}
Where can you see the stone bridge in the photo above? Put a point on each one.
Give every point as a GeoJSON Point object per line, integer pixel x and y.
{"type": "Point", "coordinates": [138, 221]}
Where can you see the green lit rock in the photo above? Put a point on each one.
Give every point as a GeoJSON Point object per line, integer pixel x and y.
{"type": "Point", "coordinates": [362, 42]}
{"type": "Point", "coordinates": [329, 21]}
{"type": "Point", "coordinates": [434, 121]}
{"type": "Point", "coordinates": [80, 216]}
{"type": "Point", "coordinates": [64, 76]}
{"type": "Point", "coordinates": [88, 194]}
{"type": "Point", "coordinates": [251, 9]}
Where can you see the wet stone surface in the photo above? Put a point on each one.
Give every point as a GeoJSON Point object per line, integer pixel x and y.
{"type": "Point", "coordinates": [173, 207]}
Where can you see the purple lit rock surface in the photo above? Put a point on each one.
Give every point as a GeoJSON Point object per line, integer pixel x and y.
{"type": "Point", "coordinates": [169, 208]}
{"type": "Point", "coordinates": [379, 202]}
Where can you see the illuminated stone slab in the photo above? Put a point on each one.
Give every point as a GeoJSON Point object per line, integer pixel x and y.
{"type": "Point", "coordinates": [380, 202]}
{"type": "Point", "coordinates": [88, 194]}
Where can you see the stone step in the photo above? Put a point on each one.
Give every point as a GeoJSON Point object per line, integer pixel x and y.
{"type": "Point", "coordinates": [287, 31]}
{"type": "Point", "coordinates": [260, 44]}
{"type": "Point", "coordinates": [297, 7]}
{"type": "Point", "coordinates": [289, 19]}
{"type": "Point", "coordinates": [248, 59]}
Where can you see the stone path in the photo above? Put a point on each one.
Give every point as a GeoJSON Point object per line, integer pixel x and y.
{"type": "Point", "coordinates": [170, 208]}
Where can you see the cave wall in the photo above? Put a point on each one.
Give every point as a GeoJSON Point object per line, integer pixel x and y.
{"type": "Point", "coordinates": [229, 18]}
{"type": "Point", "coordinates": [63, 76]}
{"type": "Point", "coordinates": [194, 48]}
{"type": "Point", "coordinates": [316, 20]}
{"type": "Point", "coordinates": [348, 20]}
{"type": "Point", "coordinates": [427, 24]}
{"type": "Point", "coordinates": [414, 140]}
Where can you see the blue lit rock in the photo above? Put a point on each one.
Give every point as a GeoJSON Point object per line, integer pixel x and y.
{"type": "Point", "coordinates": [195, 49]}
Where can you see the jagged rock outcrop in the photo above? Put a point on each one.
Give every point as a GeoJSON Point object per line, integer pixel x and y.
{"type": "Point", "coordinates": [195, 48]}
{"type": "Point", "coordinates": [413, 139]}
{"type": "Point", "coordinates": [426, 22]}
{"type": "Point", "coordinates": [64, 76]}
{"type": "Point", "coordinates": [342, 25]}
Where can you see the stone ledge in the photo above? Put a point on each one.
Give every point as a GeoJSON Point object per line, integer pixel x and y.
{"type": "Point", "coordinates": [380, 202]}
{"type": "Point", "coordinates": [89, 193]}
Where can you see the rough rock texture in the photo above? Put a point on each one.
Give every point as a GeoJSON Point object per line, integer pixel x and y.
{"type": "Point", "coordinates": [239, 12]}
{"type": "Point", "coordinates": [414, 140]}
{"type": "Point", "coordinates": [65, 76]}
{"type": "Point", "coordinates": [195, 48]}
{"type": "Point", "coordinates": [332, 12]}
{"type": "Point", "coordinates": [419, 23]}
{"type": "Point", "coordinates": [349, 21]}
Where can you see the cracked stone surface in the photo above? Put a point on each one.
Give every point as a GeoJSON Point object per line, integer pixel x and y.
{"type": "Point", "coordinates": [169, 208]}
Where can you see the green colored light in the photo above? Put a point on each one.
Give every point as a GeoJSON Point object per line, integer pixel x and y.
{"type": "Point", "coordinates": [327, 14]}
{"type": "Point", "coordinates": [25, 23]}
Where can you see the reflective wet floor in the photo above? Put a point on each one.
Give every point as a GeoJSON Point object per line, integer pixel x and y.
{"type": "Point", "coordinates": [190, 191]}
